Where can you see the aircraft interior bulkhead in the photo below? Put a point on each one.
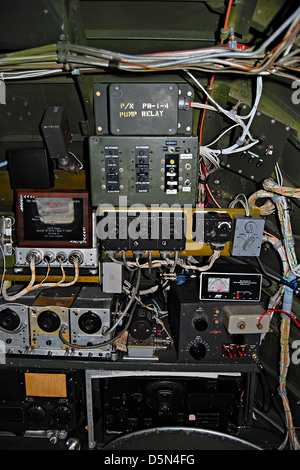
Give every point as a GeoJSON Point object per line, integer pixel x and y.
{"type": "Point", "coordinates": [150, 227]}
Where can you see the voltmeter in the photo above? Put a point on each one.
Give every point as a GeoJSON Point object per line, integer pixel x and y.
{"type": "Point", "coordinates": [230, 283]}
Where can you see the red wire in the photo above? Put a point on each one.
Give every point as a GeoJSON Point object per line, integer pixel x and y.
{"type": "Point", "coordinates": [207, 197]}
{"type": "Point", "coordinates": [227, 16]}
{"type": "Point", "coordinates": [282, 311]}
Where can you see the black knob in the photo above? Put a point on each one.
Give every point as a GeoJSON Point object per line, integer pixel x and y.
{"type": "Point", "coordinates": [36, 414]}
{"type": "Point", "coordinates": [62, 415]}
{"type": "Point", "coordinates": [200, 323]}
{"type": "Point", "coordinates": [198, 351]}
{"type": "Point", "coordinates": [9, 319]}
{"type": "Point", "coordinates": [90, 322]}
{"type": "Point", "coordinates": [48, 321]}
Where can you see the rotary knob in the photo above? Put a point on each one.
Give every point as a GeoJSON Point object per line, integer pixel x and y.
{"type": "Point", "coordinates": [90, 322]}
{"type": "Point", "coordinates": [250, 227]}
{"type": "Point", "coordinates": [36, 413]}
{"type": "Point", "coordinates": [9, 319]}
{"type": "Point", "coordinates": [197, 350]}
{"type": "Point", "coordinates": [200, 323]}
{"type": "Point", "coordinates": [62, 415]}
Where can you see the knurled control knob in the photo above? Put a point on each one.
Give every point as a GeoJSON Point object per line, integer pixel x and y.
{"type": "Point", "coordinates": [36, 413]}
{"type": "Point", "coordinates": [197, 351]}
{"type": "Point", "coordinates": [200, 323]}
{"type": "Point", "coordinates": [62, 415]}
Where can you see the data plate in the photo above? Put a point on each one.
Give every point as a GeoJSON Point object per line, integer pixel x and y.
{"type": "Point", "coordinates": [143, 109]}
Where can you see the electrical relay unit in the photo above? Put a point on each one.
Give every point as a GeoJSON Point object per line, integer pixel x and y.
{"type": "Point", "coordinates": [143, 109]}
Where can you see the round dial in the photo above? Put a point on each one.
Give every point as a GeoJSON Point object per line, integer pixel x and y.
{"type": "Point", "coordinates": [250, 227]}
{"type": "Point", "coordinates": [200, 323]}
{"type": "Point", "coordinates": [48, 321]}
{"type": "Point", "coordinates": [36, 413]}
{"type": "Point", "coordinates": [90, 322]}
{"type": "Point", "coordinates": [197, 350]}
{"type": "Point", "coordinates": [9, 319]}
{"type": "Point", "coordinates": [62, 415]}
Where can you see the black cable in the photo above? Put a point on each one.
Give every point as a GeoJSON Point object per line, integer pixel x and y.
{"type": "Point", "coordinates": [272, 395]}
{"type": "Point", "coordinates": [259, 266]}
{"type": "Point", "coordinates": [267, 274]}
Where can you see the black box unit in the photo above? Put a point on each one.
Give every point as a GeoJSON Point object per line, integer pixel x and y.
{"type": "Point", "coordinates": [200, 334]}
{"type": "Point", "coordinates": [143, 403]}
{"type": "Point", "coordinates": [56, 131]}
{"type": "Point", "coordinates": [143, 109]}
{"type": "Point", "coordinates": [136, 229]}
{"type": "Point", "coordinates": [43, 400]}
{"type": "Point", "coordinates": [30, 168]}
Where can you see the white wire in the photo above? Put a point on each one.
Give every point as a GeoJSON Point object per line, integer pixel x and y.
{"type": "Point", "coordinates": [279, 176]}
{"type": "Point", "coordinates": [217, 105]}
{"type": "Point", "coordinates": [29, 74]}
{"type": "Point", "coordinates": [221, 135]}
{"type": "Point", "coordinates": [233, 116]}
{"type": "Point", "coordinates": [259, 89]}
{"type": "Point", "coordinates": [77, 159]}
{"type": "Point", "coordinates": [202, 106]}
{"type": "Point", "coordinates": [243, 200]}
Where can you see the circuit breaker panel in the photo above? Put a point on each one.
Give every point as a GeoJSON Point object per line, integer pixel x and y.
{"type": "Point", "coordinates": [145, 170]}
{"type": "Point", "coordinates": [144, 148]}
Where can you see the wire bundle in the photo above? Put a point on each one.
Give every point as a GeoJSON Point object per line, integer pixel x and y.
{"type": "Point", "coordinates": [267, 208]}
{"type": "Point", "coordinates": [278, 195]}
{"type": "Point", "coordinates": [31, 286]}
{"type": "Point", "coordinates": [286, 250]}
{"type": "Point", "coordinates": [283, 370]}
{"type": "Point", "coordinates": [66, 57]}
{"type": "Point", "coordinates": [278, 246]}
{"type": "Point", "coordinates": [273, 187]}
{"type": "Point", "coordinates": [166, 262]}
{"type": "Point", "coordinates": [284, 360]}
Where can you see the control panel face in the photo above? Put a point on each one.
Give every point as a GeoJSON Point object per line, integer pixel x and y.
{"type": "Point", "coordinates": [58, 322]}
{"type": "Point", "coordinates": [214, 332]}
{"type": "Point", "coordinates": [145, 170]}
{"type": "Point", "coordinates": [120, 230]}
{"type": "Point", "coordinates": [239, 286]}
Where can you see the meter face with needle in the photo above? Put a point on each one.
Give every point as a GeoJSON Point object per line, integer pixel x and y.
{"type": "Point", "coordinates": [218, 284]}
